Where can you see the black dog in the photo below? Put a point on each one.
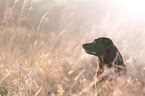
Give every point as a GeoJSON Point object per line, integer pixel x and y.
{"type": "Point", "coordinates": [107, 52]}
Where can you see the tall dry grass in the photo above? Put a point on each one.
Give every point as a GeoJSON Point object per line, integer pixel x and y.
{"type": "Point", "coordinates": [41, 54]}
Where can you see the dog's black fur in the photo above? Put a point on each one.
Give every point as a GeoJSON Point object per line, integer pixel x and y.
{"type": "Point", "coordinates": [107, 53]}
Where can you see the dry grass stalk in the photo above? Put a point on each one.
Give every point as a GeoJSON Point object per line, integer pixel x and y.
{"type": "Point", "coordinates": [36, 94]}
{"type": "Point", "coordinates": [41, 21]}
{"type": "Point", "coordinates": [78, 76]}
{"type": "Point", "coordinates": [96, 75]}
{"type": "Point", "coordinates": [15, 4]}
{"type": "Point", "coordinates": [84, 90]}
{"type": "Point", "coordinates": [21, 13]}
{"type": "Point", "coordinates": [4, 77]}
{"type": "Point", "coordinates": [60, 34]}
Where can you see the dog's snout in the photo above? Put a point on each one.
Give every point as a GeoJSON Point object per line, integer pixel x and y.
{"type": "Point", "coordinates": [84, 45]}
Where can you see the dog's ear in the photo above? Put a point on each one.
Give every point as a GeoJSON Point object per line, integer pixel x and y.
{"type": "Point", "coordinates": [109, 44]}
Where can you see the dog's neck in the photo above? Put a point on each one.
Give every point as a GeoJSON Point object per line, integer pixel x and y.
{"type": "Point", "coordinates": [109, 55]}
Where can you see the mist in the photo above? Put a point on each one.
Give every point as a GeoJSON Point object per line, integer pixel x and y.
{"type": "Point", "coordinates": [41, 46]}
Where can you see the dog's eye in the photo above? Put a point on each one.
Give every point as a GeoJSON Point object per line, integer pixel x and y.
{"type": "Point", "coordinates": [94, 41]}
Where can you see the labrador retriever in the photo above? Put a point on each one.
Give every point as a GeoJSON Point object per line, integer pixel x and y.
{"type": "Point", "coordinates": [107, 53]}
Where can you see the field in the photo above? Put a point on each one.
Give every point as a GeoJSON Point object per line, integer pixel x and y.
{"type": "Point", "coordinates": [41, 52]}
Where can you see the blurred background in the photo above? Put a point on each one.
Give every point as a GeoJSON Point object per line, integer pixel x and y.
{"type": "Point", "coordinates": [41, 53]}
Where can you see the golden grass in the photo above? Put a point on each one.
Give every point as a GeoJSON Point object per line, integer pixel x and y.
{"type": "Point", "coordinates": [42, 69]}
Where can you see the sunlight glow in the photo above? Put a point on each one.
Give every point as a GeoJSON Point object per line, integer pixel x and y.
{"type": "Point", "coordinates": [134, 7]}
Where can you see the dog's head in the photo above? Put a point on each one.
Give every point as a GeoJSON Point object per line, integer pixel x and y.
{"type": "Point", "coordinates": [98, 47]}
